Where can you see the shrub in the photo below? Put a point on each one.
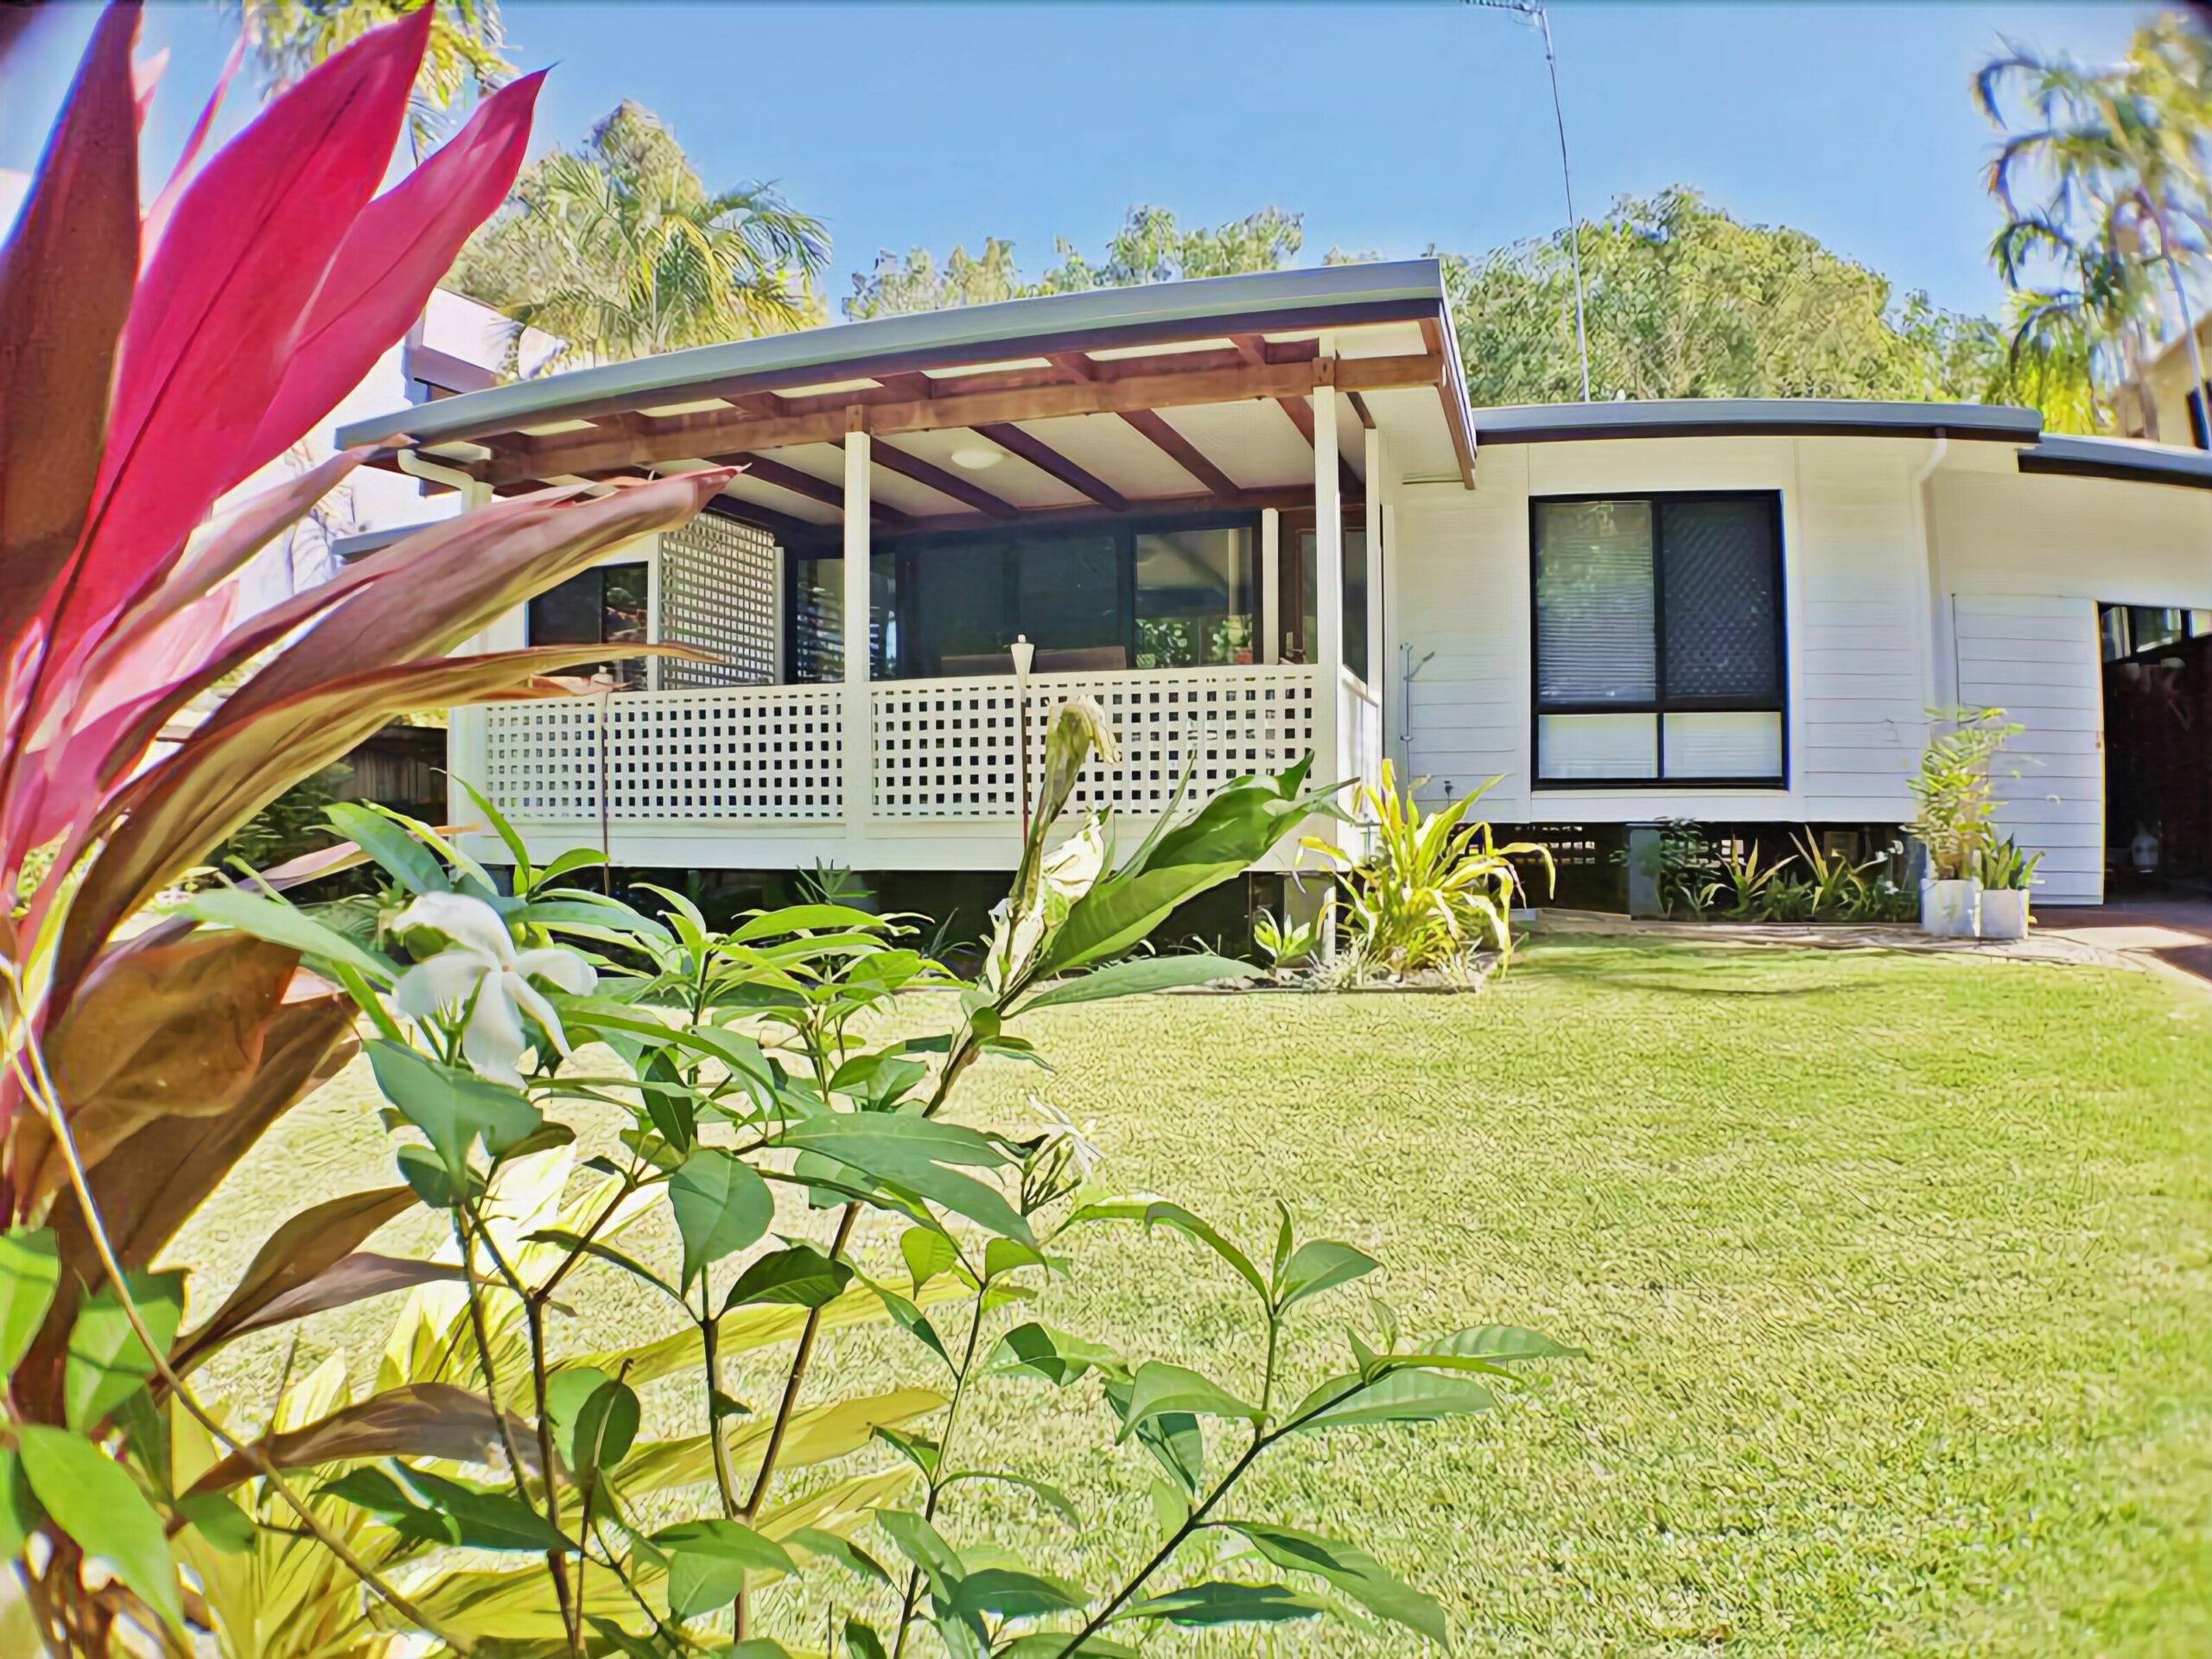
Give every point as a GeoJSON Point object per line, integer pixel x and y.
{"type": "Point", "coordinates": [1434, 890]}
{"type": "Point", "coordinates": [738, 1073]}
{"type": "Point", "coordinates": [1953, 787]}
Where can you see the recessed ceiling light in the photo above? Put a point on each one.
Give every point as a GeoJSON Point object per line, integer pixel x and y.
{"type": "Point", "coordinates": [975, 457]}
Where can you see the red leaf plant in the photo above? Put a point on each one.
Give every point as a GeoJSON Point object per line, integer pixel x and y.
{"type": "Point", "coordinates": [150, 361]}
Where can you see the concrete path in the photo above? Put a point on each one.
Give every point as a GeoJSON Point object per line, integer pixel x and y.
{"type": "Point", "coordinates": [2174, 935]}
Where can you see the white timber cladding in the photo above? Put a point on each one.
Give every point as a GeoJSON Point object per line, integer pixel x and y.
{"type": "Point", "coordinates": [757, 754]}
{"type": "Point", "coordinates": [2036, 656]}
{"type": "Point", "coordinates": [1853, 577]}
{"type": "Point", "coordinates": [719, 593]}
{"type": "Point", "coordinates": [947, 749]}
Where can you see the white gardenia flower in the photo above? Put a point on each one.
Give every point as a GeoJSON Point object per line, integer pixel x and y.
{"type": "Point", "coordinates": [481, 971]}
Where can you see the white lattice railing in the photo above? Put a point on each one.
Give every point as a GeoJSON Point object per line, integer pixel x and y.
{"type": "Point", "coordinates": [756, 752]}
{"type": "Point", "coordinates": [945, 749]}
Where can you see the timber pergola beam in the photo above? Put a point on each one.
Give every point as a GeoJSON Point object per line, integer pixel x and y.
{"type": "Point", "coordinates": [708, 434]}
{"type": "Point", "coordinates": [769, 470]}
{"type": "Point", "coordinates": [1184, 453]}
{"type": "Point", "coordinates": [945, 483]}
{"type": "Point", "coordinates": [1041, 455]}
{"type": "Point", "coordinates": [1300, 411]}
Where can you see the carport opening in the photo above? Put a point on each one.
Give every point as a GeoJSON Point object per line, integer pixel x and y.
{"type": "Point", "coordinates": [2157, 726]}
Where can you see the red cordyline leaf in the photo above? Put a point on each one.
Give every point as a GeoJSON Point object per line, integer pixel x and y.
{"type": "Point", "coordinates": [157, 216]}
{"type": "Point", "coordinates": [399, 247]}
{"type": "Point", "coordinates": [65, 277]}
{"type": "Point", "coordinates": [215, 321]}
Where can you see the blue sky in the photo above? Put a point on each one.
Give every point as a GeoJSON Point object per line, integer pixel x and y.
{"type": "Point", "coordinates": [1390, 126]}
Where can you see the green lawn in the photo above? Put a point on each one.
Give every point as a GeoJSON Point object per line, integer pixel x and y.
{"type": "Point", "coordinates": [1895, 1273]}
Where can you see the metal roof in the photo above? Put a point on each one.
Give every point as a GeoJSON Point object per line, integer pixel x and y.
{"type": "Point", "coordinates": [1682, 417]}
{"type": "Point", "coordinates": [1275, 300]}
{"type": "Point", "coordinates": [2123, 458]}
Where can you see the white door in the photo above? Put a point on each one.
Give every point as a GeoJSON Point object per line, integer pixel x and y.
{"type": "Point", "coordinates": [2037, 659]}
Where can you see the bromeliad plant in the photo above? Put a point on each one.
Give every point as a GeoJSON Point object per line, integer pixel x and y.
{"type": "Point", "coordinates": [1435, 890]}
{"type": "Point", "coordinates": [151, 362]}
{"type": "Point", "coordinates": [741, 1071]}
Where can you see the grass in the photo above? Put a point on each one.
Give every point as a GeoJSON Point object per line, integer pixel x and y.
{"type": "Point", "coordinates": [1894, 1273]}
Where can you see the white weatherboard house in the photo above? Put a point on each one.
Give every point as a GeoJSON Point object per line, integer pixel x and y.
{"type": "Point", "coordinates": [1254, 517]}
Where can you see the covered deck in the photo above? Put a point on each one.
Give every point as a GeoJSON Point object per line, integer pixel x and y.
{"type": "Point", "coordinates": [1182, 495]}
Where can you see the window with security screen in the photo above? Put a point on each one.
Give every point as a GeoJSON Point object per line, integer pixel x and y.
{"type": "Point", "coordinates": [1659, 640]}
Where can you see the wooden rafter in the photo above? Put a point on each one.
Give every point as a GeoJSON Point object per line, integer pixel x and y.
{"type": "Point", "coordinates": [724, 432]}
{"type": "Point", "coordinates": [1073, 366]}
{"type": "Point", "coordinates": [945, 483]}
{"type": "Point", "coordinates": [1359, 408]}
{"type": "Point", "coordinates": [769, 470]}
{"type": "Point", "coordinates": [1184, 453]}
{"type": "Point", "coordinates": [1046, 459]}
{"type": "Point", "coordinates": [1287, 500]}
{"type": "Point", "coordinates": [1251, 348]}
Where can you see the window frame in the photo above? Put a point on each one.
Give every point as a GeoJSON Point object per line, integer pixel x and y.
{"type": "Point", "coordinates": [1659, 705]}
{"type": "Point", "coordinates": [910, 550]}
{"type": "Point", "coordinates": [642, 665]}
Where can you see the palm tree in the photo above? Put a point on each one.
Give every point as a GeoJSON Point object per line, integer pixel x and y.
{"type": "Point", "coordinates": [2093, 323]}
{"type": "Point", "coordinates": [467, 47]}
{"type": "Point", "coordinates": [2117, 152]}
{"type": "Point", "coordinates": [619, 251]}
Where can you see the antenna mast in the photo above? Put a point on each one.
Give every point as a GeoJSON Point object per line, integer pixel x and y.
{"type": "Point", "coordinates": [1533, 11]}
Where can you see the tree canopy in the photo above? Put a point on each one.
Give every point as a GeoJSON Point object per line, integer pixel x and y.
{"type": "Point", "coordinates": [1684, 300]}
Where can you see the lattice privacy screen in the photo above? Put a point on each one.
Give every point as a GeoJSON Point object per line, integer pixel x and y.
{"type": "Point", "coordinates": [756, 752]}
{"type": "Point", "coordinates": [945, 749]}
{"type": "Point", "coordinates": [718, 592]}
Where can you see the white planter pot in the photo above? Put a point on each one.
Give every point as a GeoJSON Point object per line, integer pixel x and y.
{"type": "Point", "coordinates": [1950, 910]}
{"type": "Point", "coordinates": [2004, 913]}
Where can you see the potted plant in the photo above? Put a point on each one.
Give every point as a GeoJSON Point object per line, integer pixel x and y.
{"type": "Point", "coordinates": [2006, 872]}
{"type": "Point", "coordinates": [1952, 790]}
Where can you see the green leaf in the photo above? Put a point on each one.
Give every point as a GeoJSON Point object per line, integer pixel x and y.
{"type": "Point", "coordinates": [1226, 838]}
{"type": "Point", "coordinates": [1013, 1592]}
{"type": "Point", "coordinates": [1038, 1350]}
{"type": "Point", "coordinates": [567, 1393]}
{"type": "Point", "coordinates": [1498, 1344]}
{"type": "Point", "coordinates": [90, 1496]}
{"type": "Point", "coordinates": [1005, 1255]}
{"type": "Point", "coordinates": [1157, 1213]}
{"type": "Point", "coordinates": [805, 919]}
{"type": "Point", "coordinates": [801, 1276]}
{"type": "Point", "coordinates": [1321, 1265]}
{"type": "Point", "coordinates": [485, 1520]}
{"type": "Point", "coordinates": [707, 1561]}
{"type": "Point", "coordinates": [1051, 1644]}
{"type": "Point", "coordinates": [1399, 1397]}
{"type": "Point", "coordinates": [1137, 977]}
{"type": "Point", "coordinates": [1170, 1507]}
{"type": "Point", "coordinates": [816, 1541]}
{"type": "Point", "coordinates": [877, 1081]}
{"type": "Point", "coordinates": [1219, 1603]}
{"type": "Point", "coordinates": [863, 1643]}
{"type": "Point", "coordinates": [912, 1153]}
{"type": "Point", "coordinates": [1159, 1388]}
{"type": "Point", "coordinates": [1052, 1497]}
{"type": "Point", "coordinates": [577, 858]}
{"type": "Point", "coordinates": [425, 1173]}
{"type": "Point", "coordinates": [106, 1362]}
{"type": "Point", "coordinates": [604, 1252]}
{"type": "Point", "coordinates": [287, 924]}
{"type": "Point", "coordinates": [453, 1109]}
{"type": "Point", "coordinates": [1353, 1571]}
{"type": "Point", "coordinates": [922, 1544]}
{"type": "Point", "coordinates": [20, 1515]}
{"type": "Point", "coordinates": [911, 1319]}
{"type": "Point", "coordinates": [928, 1253]}
{"type": "Point", "coordinates": [1172, 1439]}
{"type": "Point", "coordinates": [721, 1206]}
{"type": "Point", "coordinates": [227, 1528]}
{"type": "Point", "coordinates": [922, 1454]}
{"type": "Point", "coordinates": [620, 1641]}
{"type": "Point", "coordinates": [406, 860]}
{"type": "Point", "coordinates": [606, 1426]}
{"type": "Point", "coordinates": [30, 1269]}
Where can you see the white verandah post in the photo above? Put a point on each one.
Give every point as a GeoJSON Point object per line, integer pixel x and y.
{"type": "Point", "coordinates": [859, 717]}
{"type": "Point", "coordinates": [1328, 654]}
{"type": "Point", "coordinates": [1270, 629]}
